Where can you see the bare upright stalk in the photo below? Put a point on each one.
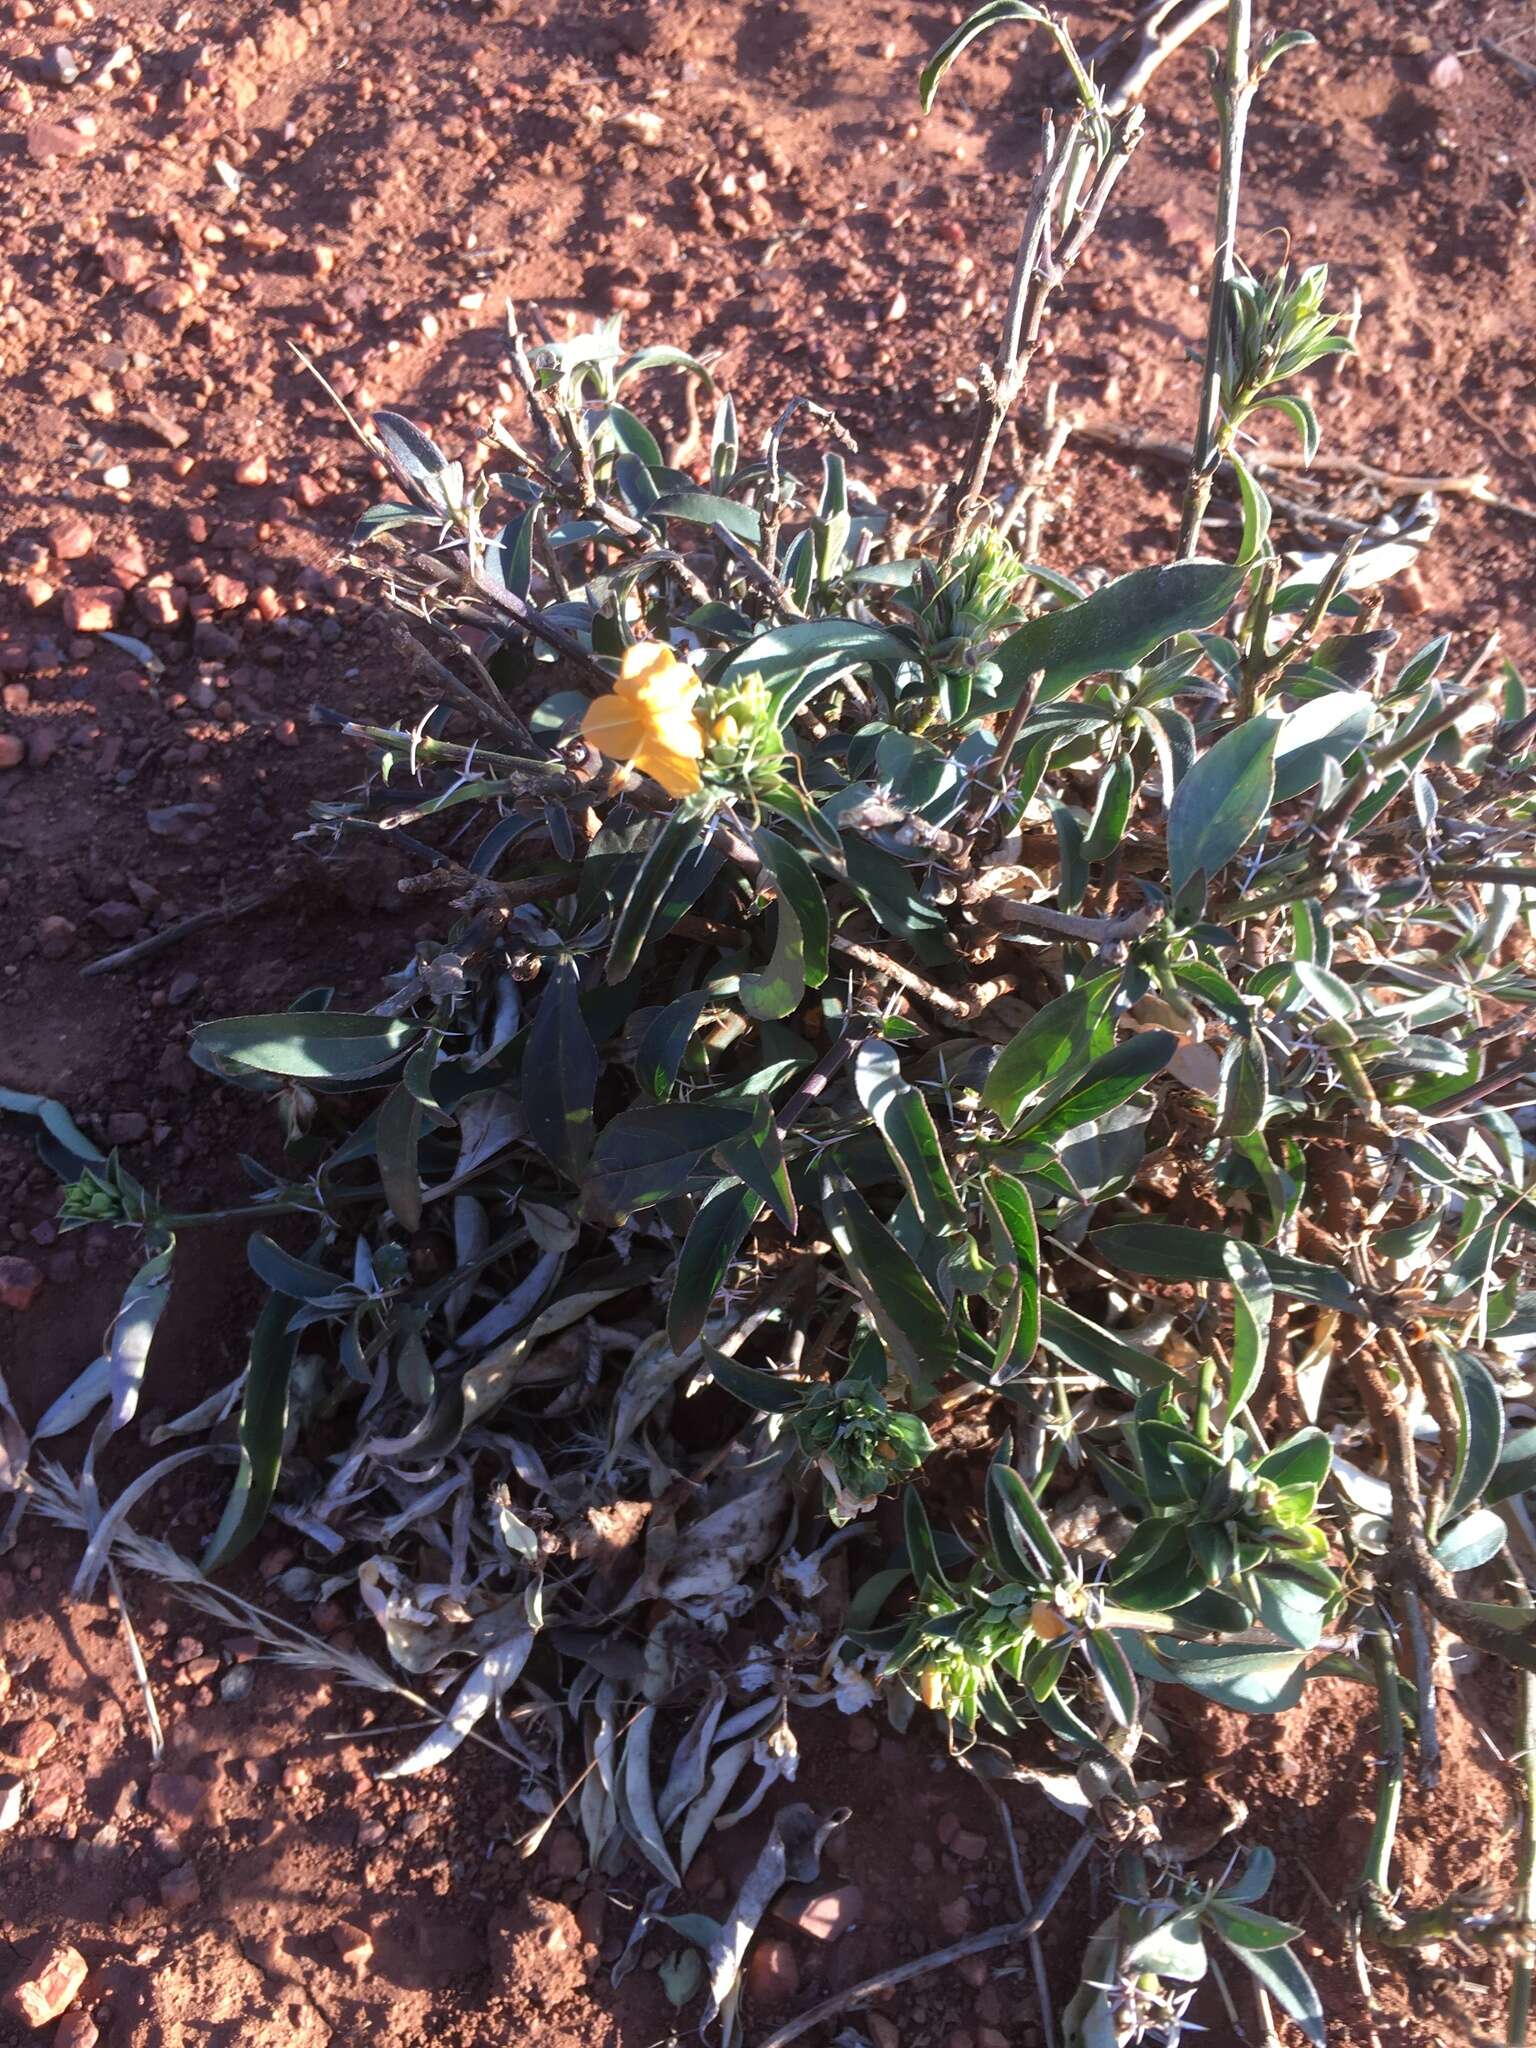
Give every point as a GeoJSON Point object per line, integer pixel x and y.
{"type": "Point", "coordinates": [1234, 89]}
{"type": "Point", "coordinates": [1517, 2029]}
{"type": "Point", "coordinates": [1080, 165]}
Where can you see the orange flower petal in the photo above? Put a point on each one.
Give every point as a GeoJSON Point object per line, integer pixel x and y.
{"type": "Point", "coordinates": [615, 727]}
{"type": "Point", "coordinates": [676, 771]}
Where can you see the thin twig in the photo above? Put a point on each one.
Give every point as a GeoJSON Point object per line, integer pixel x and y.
{"type": "Point", "coordinates": [1158, 43]}
{"type": "Point", "coordinates": [1004, 1936]}
{"type": "Point", "coordinates": [962, 1008]}
{"type": "Point", "coordinates": [184, 927]}
{"type": "Point", "coordinates": [1234, 95]}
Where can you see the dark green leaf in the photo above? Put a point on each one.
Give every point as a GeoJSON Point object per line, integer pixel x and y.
{"type": "Point", "coordinates": [906, 1124]}
{"type": "Point", "coordinates": [1115, 628]}
{"type": "Point", "coordinates": [714, 1238]}
{"type": "Point", "coordinates": [665, 1041]}
{"type": "Point", "coordinates": [904, 1309]}
{"type": "Point", "coordinates": [702, 508]}
{"type": "Point", "coordinates": [800, 941]}
{"type": "Point", "coordinates": [1475, 1457]}
{"type": "Point", "coordinates": [1014, 1519]}
{"type": "Point", "coordinates": [1173, 1251]}
{"type": "Point", "coordinates": [1286, 1982]}
{"type": "Point", "coordinates": [263, 1421]}
{"type": "Point", "coordinates": [323, 1045]}
{"type": "Point", "coordinates": [1111, 1080]}
{"type": "Point", "coordinates": [1056, 1043]}
{"type": "Point", "coordinates": [397, 1141]}
{"type": "Point", "coordinates": [560, 1068]}
{"type": "Point", "coordinates": [1221, 802]}
{"type": "Point", "coordinates": [646, 1155]}
{"type": "Point", "coordinates": [1086, 1348]}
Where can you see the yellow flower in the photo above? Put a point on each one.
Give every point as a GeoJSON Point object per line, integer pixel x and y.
{"type": "Point", "coordinates": [647, 720]}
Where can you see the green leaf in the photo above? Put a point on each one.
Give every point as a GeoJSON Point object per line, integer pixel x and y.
{"type": "Point", "coordinates": [397, 1140]}
{"type": "Point", "coordinates": [1175, 1949]}
{"type": "Point", "coordinates": [1330, 728]}
{"type": "Point", "coordinates": [1009, 1199]}
{"type": "Point", "coordinates": [1253, 1304]}
{"type": "Point", "coordinates": [1111, 1080]}
{"type": "Point", "coordinates": [992, 15]}
{"type": "Point", "coordinates": [647, 895]}
{"type": "Point", "coordinates": [1286, 1982]}
{"type": "Point", "coordinates": [768, 1392]}
{"type": "Point", "coordinates": [1117, 1682]}
{"type": "Point", "coordinates": [800, 939]}
{"type": "Point", "coordinates": [709, 1250]}
{"type": "Point", "coordinates": [647, 1154]}
{"type": "Point", "coordinates": [664, 1042]}
{"type": "Point", "coordinates": [790, 657]}
{"type": "Point", "coordinates": [1086, 1348]}
{"type": "Point", "coordinates": [1056, 1043]}
{"type": "Point", "coordinates": [1173, 1251]}
{"type": "Point", "coordinates": [56, 1121]}
{"type": "Point", "coordinates": [922, 1553]}
{"type": "Point", "coordinates": [906, 1124]}
{"type": "Point", "coordinates": [1221, 802]}
{"type": "Point", "coordinates": [560, 1069]}
{"type": "Point", "coordinates": [702, 508]}
{"type": "Point", "coordinates": [1256, 510]}
{"type": "Point", "coordinates": [757, 1159]}
{"type": "Point", "coordinates": [1242, 1927]}
{"type": "Point", "coordinates": [1242, 1093]}
{"type": "Point", "coordinates": [1480, 1440]}
{"type": "Point", "coordinates": [1115, 628]}
{"type": "Point", "coordinates": [908, 1316]}
{"type": "Point", "coordinates": [1516, 1469]}
{"type": "Point", "coordinates": [285, 1274]}
{"type": "Point", "coordinates": [323, 1045]}
{"type": "Point", "coordinates": [263, 1422]}
{"type": "Point", "coordinates": [1020, 1533]}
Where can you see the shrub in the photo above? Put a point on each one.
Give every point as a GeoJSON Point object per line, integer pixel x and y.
{"type": "Point", "coordinates": [932, 1001]}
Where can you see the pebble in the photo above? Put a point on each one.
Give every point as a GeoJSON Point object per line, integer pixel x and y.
{"type": "Point", "coordinates": [955, 1916]}
{"type": "Point", "coordinates": [773, 1974]}
{"type": "Point", "coordinates": [55, 936]}
{"type": "Point", "coordinates": [354, 1948]}
{"type": "Point", "coordinates": [49, 139]}
{"type": "Point", "coordinates": [71, 537]}
{"type": "Point", "coordinates": [60, 65]}
{"type": "Point", "coordinates": [76, 2030]}
{"type": "Point", "coordinates": [824, 1916]}
{"type": "Point", "coordinates": [117, 918]}
{"type": "Point", "coordinates": [50, 1985]}
{"type": "Point", "coordinates": [93, 609]}
{"type": "Point", "coordinates": [252, 471]}
{"type": "Point", "coordinates": [179, 1799]}
{"type": "Point", "coordinates": [180, 1889]}
{"type": "Point", "coordinates": [129, 1127]}
{"type": "Point", "coordinates": [20, 1284]}
{"type": "Point", "coordinates": [237, 1684]}
{"type": "Point", "coordinates": [33, 1739]}
{"type": "Point", "coordinates": [1446, 71]}
{"type": "Point", "coordinates": [882, 2032]}
{"type": "Point", "coordinates": [968, 1845]}
{"type": "Point", "coordinates": [13, 1801]}
{"type": "Point", "coordinates": [862, 1734]}
{"type": "Point", "coordinates": [13, 750]}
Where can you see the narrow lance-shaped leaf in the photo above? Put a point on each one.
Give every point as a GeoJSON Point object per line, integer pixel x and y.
{"type": "Point", "coordinates": [263, 1421]}
{"type": "Point", "coordinates": [1115, 628]}
{"type": "Point", "coordinates": [1055, 1043]}
{"type": "Point", "coordinates": [906, 1124]}
{"type": "Point", "coordinates": [902, 1306]}
{"type": "Point", "coordinates": [1253, 1303]}
{"type": "Point", "coordinates": [1221, 802]}
{"type": "Point", "coordinates": [800, 935]}
{"type": "Point", "coordinates": [560, 1066]}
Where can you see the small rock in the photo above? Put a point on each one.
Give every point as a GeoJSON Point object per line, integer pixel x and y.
{"type": "Point", "coordinates": [180, 1888]}
{"type": "Point", "coordinates": [71, 537]}
{"type": "Point", "coordinates": [354, 1948]}
{"type": "Point", "coordinates": [20, 1284]}
{"type": "Point", "coordinates": [76, 2030]}
{"type": "Point", "coordinates": [183, 986]}
{"type": "Point", "coordinates": [128, 1127]}
{"type": "Point", "coordinates": [34, 1739]}
{"type": "Point", "coordinates": [883, 2032]}
{"type": "Point", "coordinates": [991, 2037]}
{"type": "Point", "coordinates": [13, 750]}
{"type": "Point", "coordinates": [643, 123]}
{"type": "Point", "coordinates": [968, 1845]}
{"type": "Point", "coordinates": [862, 1734]}
{"type": "Point", "coordinates": [60, 65]}
{"type": "Point", "coordinates": [1446, 71]}
{"type": "Point", "coordinates": [180, 1800]}
{"type": "Point", "coordinates": [50, 1985]}
{"type": "Point", "coordinates": [897, 309]}
{"type": "Point", "coordinates": [49, 139]}
{"type": "Point", "coordinates": [825, 1915]}
{"type": "Point", "coordinates": [773, 1974]}
{"type": "Point", "coordinates": [117, 918]}
{"type": "Point", "coordinates": [13, 1801]}
{"type": "Point", "coordinates": [564, 1856]}
{"type": "Point", "coordinates": [238, 1684]}
{"type": "Point", "coordinates": [252, 471]}
{"type": "Point", "coordinates": [955, 1916]}
{"type": "Point", "coordinates": [55, 936]}
{"type": "Point", "coordinates": [94, 609]}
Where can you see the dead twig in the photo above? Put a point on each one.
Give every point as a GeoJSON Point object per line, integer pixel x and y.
{"type": "Point", "coordinates": [184, 927]}
{"type": "Point", "coordinates": [1004, 1936]}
